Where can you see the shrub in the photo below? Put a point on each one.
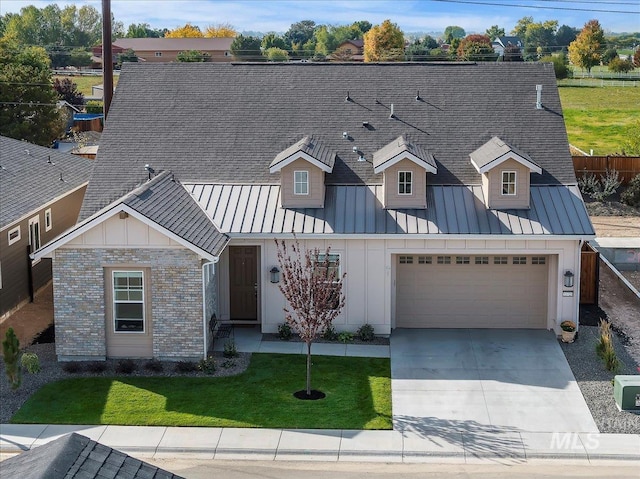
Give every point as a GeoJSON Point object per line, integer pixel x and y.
{"type": "Point", "coordinates": [345, 337]}
{"type": "Point", "coordinates": [186, 367]}
{"type": "Point", "coordinates": [605, 349]}
{"type": "Point", "coordinates": [631, 196]}
{"type": "Point", "coordinates": [72, 367]}
{"type": "Point", "coordinates": [330, 334]}
{"type": "Point", "coordinates": [11, 354]}
{"type": "Point", "coordinates": [599, 189]}
{"type": "Point", "coordinates": [30, 362]}
{"type": "Point", "coordinates": [365, 333]}
{"type": "Point", "coordinates": [568, 326]}
{"type": "Point", "coordinates": [284, 332]}
{"type": "Point", "coordinates": [97, 367]}
{"type": "Point", "coordinates": [618, 65]}
{"type": "Point", "coordinates": [559, 65]}
{"type": "Point", "coordinates": [588, 183]}
{"type": "Point", "coordinates": [125, 366]}
{"type": "Point", "coordinates": [228, 363]}
{"type": "Point", "coordinates": [154, 366]}
{"type": "Point", "coordinates": [94, 106]}
{"type": "Point", "coordinates": [207, 366]}
{"type": "Point", "coordinates": [230, 350]}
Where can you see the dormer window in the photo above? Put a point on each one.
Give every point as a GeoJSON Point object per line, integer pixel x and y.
{"type": "Point", "coordinates": [509, 183]}
{"type": "Point", "coordinates": [405, 183]}
{"type": "Point", "coordinates": [301, 182]}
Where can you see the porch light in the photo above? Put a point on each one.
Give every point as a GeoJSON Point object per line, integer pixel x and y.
{"type": "Point", "coordinates": [568, 279]}
{"type": "Point", "coordinates": [275, 274]}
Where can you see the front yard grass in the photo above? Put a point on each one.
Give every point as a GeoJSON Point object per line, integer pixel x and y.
{"type": "Point", "coordinates": [358, 397]}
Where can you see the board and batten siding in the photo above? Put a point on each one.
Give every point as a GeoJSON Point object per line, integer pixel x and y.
{"type": "Point", "coordinates": [492, 186]}
{"type": "Point", "coordinates": [370, 285]}
{"type": "Point", "coordinates": [14, 258]}
{"type": "Point", "coordinates": [418, 197]}
{"type": "Point", "coordinates": [315, 198]}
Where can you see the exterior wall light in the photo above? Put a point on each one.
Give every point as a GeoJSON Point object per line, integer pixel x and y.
{"type": "Point", "coordinates": [568, 279]}
{"type": "Point", "coordinates": [275, 274]}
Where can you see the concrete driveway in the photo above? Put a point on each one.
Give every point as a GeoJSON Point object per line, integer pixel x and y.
{"type": "Point", "coordinates": [481, 380]}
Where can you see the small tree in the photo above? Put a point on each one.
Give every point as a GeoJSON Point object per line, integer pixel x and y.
{"type": "Point", "coordinates": [586, 50]}
{"type": "Point", "coordinates": [384, 42]}
{"type": "Point", "coordinates": [275, 54]}
{"type": "Point", "coordinates": [11, 354]}
{"type": "Point", "coordinates": [68, 91]}
{"type": "Point", "coordinates": [192, 56]}
{"type": "Point", "coordinates": [312, 286]}
{"type": "Point", "coordinates": [617, 65]}
{"type": "Point", "coordinates": [246, 48]}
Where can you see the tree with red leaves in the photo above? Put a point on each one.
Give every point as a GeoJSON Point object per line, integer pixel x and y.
{"type": "Point", "coordinates": [312, 285]}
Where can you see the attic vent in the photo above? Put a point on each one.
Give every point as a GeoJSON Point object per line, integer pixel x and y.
{"type": "Point", "coordinates": [348, 97]}
{"type": "Point", "coordinates": [539, 97]}
{"type": "Point", "coordinates": [418, 97]}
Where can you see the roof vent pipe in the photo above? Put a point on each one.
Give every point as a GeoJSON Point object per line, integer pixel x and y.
{"type": "Point", "coordinates": [392, 114]}
{"type": "Point", "coordinates": [539, 97]}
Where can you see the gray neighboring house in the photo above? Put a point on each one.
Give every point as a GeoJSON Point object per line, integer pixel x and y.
{"type": "Point", "coordinates": [41, 191]}
{"type": "Point", "coordinates": [499, 44]}
{"type": "Point", "coordinates": [445, 191]}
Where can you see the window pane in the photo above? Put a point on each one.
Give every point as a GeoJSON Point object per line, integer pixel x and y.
{"type": "Point", "coordinates": [129, 311]}
{"type": "Point", "coordinates": [134, 325]}
{"type": "Point", "coordinates": [122, 295]}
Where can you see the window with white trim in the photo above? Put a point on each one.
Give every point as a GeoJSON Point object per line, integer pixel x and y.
{"type": "Point", "coordinates": [500, 260]}
{"type": "Point", "coordinates": [128, 301]}
{"type": "Point", "coordinates": [444, 259]}
{"type": "Point", "coordinates": [463, 259]}
{"type": "Point", "coordinates": [13, 236]}
{"type": "Point", "coordinates": [519, 260]}
{"type": "Point", "coordinates": [405, 182]}
{"type": "Point", "coordinates": [538, 260]}
{"type": "Point", "coordinates": [158, 54]}
{"type": "Point", "coordinates": [425, 260]}
{"type": "Point", "coordinates": [34, 233]}
{"type": "Point", "coordinates": [509, 183]}
{"type": "Point", "coordinates": [482, 260]}
{"type": "Point", "coordinates": [301, 182]}
{"type": "Point", "coordinates": [48, 220]}
{"type": "Point", "coordinates": [328, 267]}
{"type": "Point", "coordinates": [406, 259]}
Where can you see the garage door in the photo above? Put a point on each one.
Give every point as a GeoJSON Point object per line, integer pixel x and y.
{"type": "Point", "coordinates": [471, 291]}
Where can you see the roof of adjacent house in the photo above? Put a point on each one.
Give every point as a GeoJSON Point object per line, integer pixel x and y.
{"type": "Point", "coordinates": [74, 457]}
{"type": "Point", "coordinates": [32, 175]}
{"type": "Point", "coordinates": [254, 209]}
{"type": "Point", "coordinates": [358, 42]}
{"type": "Point", "coordinates": [225, 123]}
{"type": "Point", "coordinates": [174, 44]}
{"type": "Point", "coordinates": [506, 40]}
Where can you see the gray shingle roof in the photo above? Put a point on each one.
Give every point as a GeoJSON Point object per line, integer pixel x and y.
{"type": "Point", "coordinates": [78, 457]}
{"type": "Point", "coordinates": [399, 146]}
{"type": "Point", "coordinates": [254, 209]}
{"type": "Point", "coordinates": [29, 180]}
{"type": "Point", "coordinates": [225, 123]}
{"type": "Point", "coordinates": [313, 147]}
{"type": "Point", "coordinates": [494, 149]}
{"type": "Point", "coordinates": [165, 201]}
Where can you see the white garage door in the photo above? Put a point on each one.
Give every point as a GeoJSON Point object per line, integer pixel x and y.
{"type": "Point", "coordinates": [449, 291]}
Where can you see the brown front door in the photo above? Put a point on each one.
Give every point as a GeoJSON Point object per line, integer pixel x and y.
{"type": "Point", "coordinates": [243, 275]}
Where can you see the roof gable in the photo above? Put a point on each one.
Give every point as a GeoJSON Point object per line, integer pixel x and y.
{"type": "Point", "coordinates": [495, 151]}
{"type": "Point", "coordinates": [399, 149]}
{"type": "Point", "coordinates": [308, 148]}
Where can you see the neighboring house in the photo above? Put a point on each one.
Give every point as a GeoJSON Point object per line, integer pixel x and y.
{"type": "Point", "coordinates": [41, 191]}
{"type": "Point", "coordinates": [68, 111]}
{"type": "Point", "coordinates": [167, 49]}
{"type": "Point", "coordinates": [445, 191]}
{"type": "Point", "coordinates": [349, 50]}
{"type": "Point", "coordinates": [500, 43]}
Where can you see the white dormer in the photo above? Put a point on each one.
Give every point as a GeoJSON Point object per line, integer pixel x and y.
{"type": "Point", "coordinates": [506, 174]}
{"type": "Point", "coordinates": [302, 167]}
{"type": "Point", "coordinates": [404, 166]}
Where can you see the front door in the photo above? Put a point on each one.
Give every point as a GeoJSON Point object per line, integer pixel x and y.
{"type": "Point", "coordinates": [243, 276]}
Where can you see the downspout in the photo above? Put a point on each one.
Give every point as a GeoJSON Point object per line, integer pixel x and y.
{"type": "Point", "coordinates": [205, 320]}
{"type": "Point", "coordinates": [577, 285]}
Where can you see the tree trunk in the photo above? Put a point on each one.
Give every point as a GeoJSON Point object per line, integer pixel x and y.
{"type": "Point", "coordinates": [308, 369]}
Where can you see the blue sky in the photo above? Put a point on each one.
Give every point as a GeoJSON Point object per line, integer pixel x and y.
{"type": "Point", "coordinates": [410, 15]}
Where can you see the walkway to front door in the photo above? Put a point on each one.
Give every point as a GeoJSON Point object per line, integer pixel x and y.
{"type": "Point", "coordinates": [447, 381]}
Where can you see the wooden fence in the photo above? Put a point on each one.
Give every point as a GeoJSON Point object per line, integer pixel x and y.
{"type": "Point", "coordinates": [626, 166]}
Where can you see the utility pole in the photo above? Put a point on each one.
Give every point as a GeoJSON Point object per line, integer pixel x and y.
{"type": "Point", "coordinates": [107, 56]}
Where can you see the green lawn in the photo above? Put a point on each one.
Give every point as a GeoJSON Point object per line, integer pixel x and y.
{"type": "Point", "coordinates": [358, 397]}
{"type": "Point", "coordinates": [85, 82]}
{"type": "Point", "coordinates": [596, 117]}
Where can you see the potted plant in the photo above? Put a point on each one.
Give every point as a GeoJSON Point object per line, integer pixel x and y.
{"type": "Point", "coordinates": [568, 331]}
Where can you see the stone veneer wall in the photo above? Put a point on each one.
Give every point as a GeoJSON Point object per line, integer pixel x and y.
{"type": "Point", "coordinates": [176, 301]}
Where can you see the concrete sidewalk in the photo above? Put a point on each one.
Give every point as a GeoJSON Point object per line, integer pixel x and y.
{"type": "Point", "coordinates": [334, 445]}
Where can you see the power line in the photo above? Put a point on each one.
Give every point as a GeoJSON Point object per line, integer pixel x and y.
{"type": "Point", "coordinates": [497, 4]}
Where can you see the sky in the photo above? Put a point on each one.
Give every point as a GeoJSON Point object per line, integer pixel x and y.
{"type": "Point", "coordinates": [410, 15]}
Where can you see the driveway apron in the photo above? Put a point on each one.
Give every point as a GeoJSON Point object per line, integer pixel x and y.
{"type": "Point", "coordinates": [450, 381]}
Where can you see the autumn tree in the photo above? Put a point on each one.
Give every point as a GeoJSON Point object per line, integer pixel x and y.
{"type": "Point", "coordinates": [221, 30]}
{"type": "Point", "coordinates": [68, 91]}
{"type": "Point", "coordinates": [636, 58]}
{"type": "Point", "coordinates": [246, 48]}
{"type": "Point", "coordinates": [384, 42]}
{"type": "Point", "coordinates": [313, 288]}
{"type": "Point", "coordinates": [586, 50]}
{"type": "Point", "coordinates": [186, 31]}
{"type": "Point", "coordinates": [28, 102]}
{"type": "Point", "coordinates": [476, 48]}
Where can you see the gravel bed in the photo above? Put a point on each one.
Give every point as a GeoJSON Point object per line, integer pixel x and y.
{"type": "Point", "coordinates": [609, 208]}
{"type": "Point", "coordinates": [596, 382]}
{"type": "Point", "coordinates": [52, 370]}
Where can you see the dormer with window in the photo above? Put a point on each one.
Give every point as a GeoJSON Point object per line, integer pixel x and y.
{"type": "Point", "coordinates": [404, 166]}
{"type": "Point", "coordinates": [302, 167]}
{"type": "Point", "coordinates": [506, 174]}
